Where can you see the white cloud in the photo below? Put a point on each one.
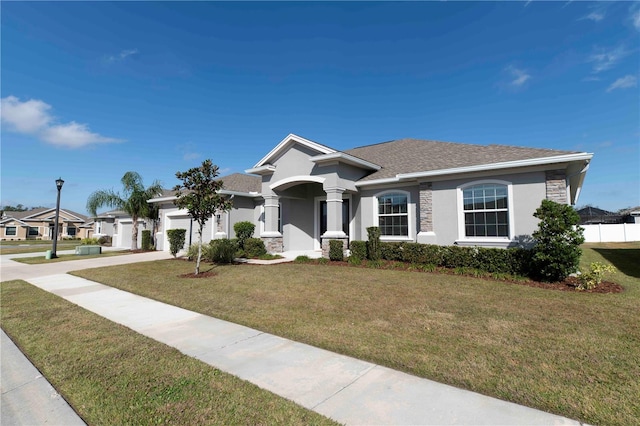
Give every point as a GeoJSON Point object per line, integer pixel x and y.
{"type": "Point", "coordinates": [635, 16]}
{"type": "Point", "coordinates": [604, 59]}
{"type": "Point", "coordinates": [594, 16]}
{"type": "Point", "coordinates": [25, 117]}
{"type": "Point", "coordinates": [519, 76]}
{"type": "Point", "coordinates": [32, 117]}
{"type": "Point", "coordinates": [122, 55]}
{"type": "Point", "coordinates": [624, 83]}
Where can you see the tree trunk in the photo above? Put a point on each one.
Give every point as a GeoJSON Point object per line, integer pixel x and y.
{"type": "Point", "coordinates": [134, 233]}
{"type": "Point", "coordinates": [199, 249]}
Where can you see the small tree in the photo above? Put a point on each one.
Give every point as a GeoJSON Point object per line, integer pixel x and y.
{"type": "Point", "coordinates": [243, 230]}
{"type": "Point", "coordinates": [373, 243]}
{"type": "Point", "coordinates": [199, 194]}
{"type": "Point", "coordinates": [176, 240]}
{"type": "Point", "coordinates": [556, 252]}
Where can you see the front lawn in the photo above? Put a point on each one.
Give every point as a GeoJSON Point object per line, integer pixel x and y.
{"type": "Point", "coordinates": [112, 375]}
{"type": "Point", "coordinates": [36, 260]}
{"type": "Point", "coordinates": [35, 246]}
{"type": "Point", "coordinates": [571, 353]}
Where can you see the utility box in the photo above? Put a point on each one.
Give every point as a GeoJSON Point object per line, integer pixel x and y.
{"type": "Point", "coordinates": [87, 250]}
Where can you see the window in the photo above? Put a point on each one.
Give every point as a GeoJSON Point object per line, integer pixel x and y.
{"type": "Point", "coordinates": [486, 210]}
{"type": "Point", "coordinates": [10, 231]}
{"type": "Point", "coordinates": [33, 231]}
{"type": "Point", "coordinates": [393, 214]}
{"type": "Point", "coordinates": [71, 231]}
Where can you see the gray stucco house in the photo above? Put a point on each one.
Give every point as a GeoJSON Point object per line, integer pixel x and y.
{"type": "Point", "coordinates": [303, 194]}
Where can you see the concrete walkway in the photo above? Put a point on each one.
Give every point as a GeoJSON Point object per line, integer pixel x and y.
{"type": "Point", "coordinates": [345, 389]}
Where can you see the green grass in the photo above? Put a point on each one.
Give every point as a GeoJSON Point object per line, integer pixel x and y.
{"type": "Point", "coordinates": [34, 246]}
{"type": "Point", "coordinates": [570, 353]}
{"type": "Point", "coordinates": [66, 257]}
{"type": "Point", "coordinates": [112, 375]}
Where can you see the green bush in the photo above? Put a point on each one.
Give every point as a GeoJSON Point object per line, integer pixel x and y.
{"type": "Point", "coordinates": [192, 252]}
{"type": "Point", "coordinates": [254, 248]}
{"type": "Point", "coordinates": [243, 230]}
{"type": "Point", "coordinates": [176, 240]}
{"type": "Point", "coordinates": [423, 253]}
{"type": "Point", "coordinates": [146, 240]}
{"type": "Point", "coordinates": [336, 252]}
{"type": "Point", "coordinates": [105, 240]}
{"type": "Point", "coordinates": [373, 243]}
{"type": "Point", "coordinates": [460, 257]}
{"type": "Point", "coordinates": [302, 259]}
{"type": "Point", "coordinates": [358, 251]}
{"type": "Point", "coordinates": [590, 280]}
{"type": "Point", "coordinates": [89, 242]}
{"type": "Point", "coordinates": [222, 250]}
{"type": "Point", "coordinates": [556, 253]}
{"type": "Point", "coordinates": [391, 251]}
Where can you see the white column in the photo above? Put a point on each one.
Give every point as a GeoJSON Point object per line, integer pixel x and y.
{"type": "Point", "coordinates": [334, 214]}
{"type": "Point", "coordinates": [271, 216]}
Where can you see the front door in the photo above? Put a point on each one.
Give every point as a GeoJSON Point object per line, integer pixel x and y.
{"type": "Point", "coordinates": [345, 217]}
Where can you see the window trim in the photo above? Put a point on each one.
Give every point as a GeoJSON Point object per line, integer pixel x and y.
{"type": "Point", "coordinates": [15, 231]}
{"type": "Point", "coordinates": [37, 234]}
{"type": "Point", "coordinates": [410, 215]}
{"type": "Point", "coordinates": [462, 237]}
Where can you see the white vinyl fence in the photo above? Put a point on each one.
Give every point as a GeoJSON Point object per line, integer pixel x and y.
{"type": "Point", "coordinates": [611, 232]}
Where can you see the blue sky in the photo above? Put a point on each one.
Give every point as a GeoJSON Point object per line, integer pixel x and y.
{"type": "Point", "coordinates": [91, 90]}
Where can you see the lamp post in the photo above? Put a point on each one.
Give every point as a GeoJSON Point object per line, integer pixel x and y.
{"type": "Point", "coordinates": [59, 183]}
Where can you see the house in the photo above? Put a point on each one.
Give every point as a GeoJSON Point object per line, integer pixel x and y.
{"type": "Point", "coordinates": [38, 224]}
{"type": "Point", "coordinates": [302, 194]}
{"type": "Point", "coordinates": [591, 215]}
{"type": "Point", "coordinates": [118, 225]}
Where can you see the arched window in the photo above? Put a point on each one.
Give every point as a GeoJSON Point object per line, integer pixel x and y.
{"type": "Point", "coordinates": [393, 214]}
{"type": "Point", "coordinates": [486, 210]}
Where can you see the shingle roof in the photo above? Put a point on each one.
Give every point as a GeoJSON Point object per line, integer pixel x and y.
{"type": "Point", "coordinates": [415, 155]}
{"type": "Point", "coordinates": [239, 182]}
{"type": "Point", "coordinates": [34, 212]}
{"type": "Point", "coordinates": [236, 182]}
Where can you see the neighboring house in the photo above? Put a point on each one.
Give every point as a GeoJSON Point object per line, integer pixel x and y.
{"type": "Point", "coordinates": [38, 224]}
{"type": "Point", "coordinates": [631, 215]}
{"type": "Point", "coordinates": [118, 225]}
{"type": "Point", "coordinates": [303, 194]}
{"type": "Point", "coordinates": [592, 215]}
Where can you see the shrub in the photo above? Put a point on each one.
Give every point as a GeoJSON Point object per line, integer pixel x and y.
{"type": "Point", "coordinates": [89, 242]}
{"type": "Point", "coordinates": [254, 247]}
{"type": "Point", "coordinates": [590, 280]}
{"type": "Point", "coordinates": [192, 252]}
{"type": "Point", "coordinates": [391, 251]}
{"type": "Point", "coordinates": [556, 253]}
{"type": "Point", "coordinates": [459, 257]}
{"type": "Point", "coordinates": [423, 253]}
{"type": "Point", "coordinates": [373, 243]}
{"type": "Point", "coordinates": [302, 259]}
{"type": "Point", "coordinates": [358, 251]}
{"type": "Point", "coordinates": [336, 250]}
{"type": "Point", "coordinates": [176, 240]}
{"type": "Point", "coordinates": [243, 231]}
{"type": "Point", "coordinates": [222, 251]}
{"type": "Point", "coordinates": [146, 240]}
{"type": "Point", "coordinates": [105, 240]}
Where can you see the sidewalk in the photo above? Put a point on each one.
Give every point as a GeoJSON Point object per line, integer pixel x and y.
{"type": "Point", "coordinates": [345, 389]}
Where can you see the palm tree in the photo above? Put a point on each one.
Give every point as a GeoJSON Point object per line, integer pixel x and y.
{"type": "Point", "coordinates": [133, 200]}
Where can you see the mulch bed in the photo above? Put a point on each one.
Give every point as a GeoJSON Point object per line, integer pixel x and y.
{"type": "Point", "coordinates": [205, 274]}
{"type": "Point", "coordinates": [569, 284]}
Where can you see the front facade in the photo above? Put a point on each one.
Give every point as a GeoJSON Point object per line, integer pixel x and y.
{"type": "Point", "coordinates": [304, 194]}
{"type": "Point", "coordinates": [38, 224]}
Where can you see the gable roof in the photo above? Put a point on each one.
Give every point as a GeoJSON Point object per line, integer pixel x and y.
{"type": "Point", "coordinates": [408, 156]}
{"type": "Point", "coordinates": [235, 183]}
{"type": "Point", "coordinates": [285, 143]}
{"type": "Point", "coordinates": [33, 215]}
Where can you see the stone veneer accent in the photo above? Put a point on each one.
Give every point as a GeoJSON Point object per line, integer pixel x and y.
{"type": "Point", "coordinates": [556, 182]}
{"type": "Point", "coordinates": [273, 244]}
{"type": "Point", "coordinates": [325, 246]}
{"type": "Point", "coordinates": [426, 207]}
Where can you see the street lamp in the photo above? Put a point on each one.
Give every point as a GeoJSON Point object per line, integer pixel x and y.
{"type": "Point", "coordinates": [59, 183]}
